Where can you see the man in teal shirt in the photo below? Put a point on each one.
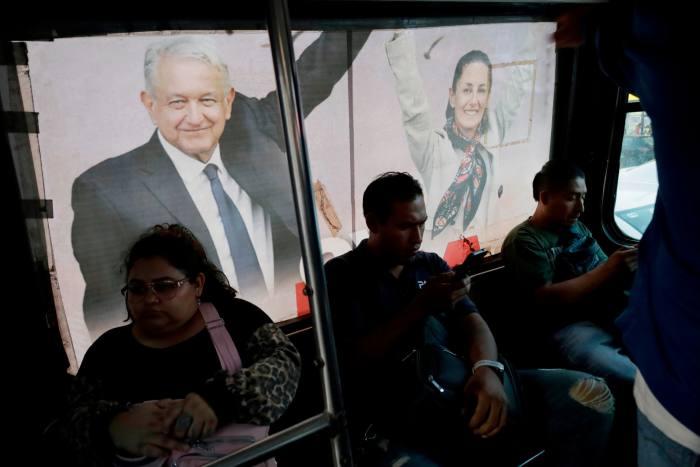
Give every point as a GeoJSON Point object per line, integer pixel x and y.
{"type": "Point", "coordinates": [571, 290]}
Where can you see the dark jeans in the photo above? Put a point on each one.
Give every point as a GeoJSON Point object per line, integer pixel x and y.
{"type": "Point", "coordinates": [570, 413]}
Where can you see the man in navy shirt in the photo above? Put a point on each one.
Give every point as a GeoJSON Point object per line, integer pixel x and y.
{"type": "Point", "coordinates": [381, 295]}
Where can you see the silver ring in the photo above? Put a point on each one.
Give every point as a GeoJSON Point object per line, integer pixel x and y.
{"type": "Point", "coordinates": [183, 422]}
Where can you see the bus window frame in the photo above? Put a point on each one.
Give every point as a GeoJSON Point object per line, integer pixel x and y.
{"type": "Point", "coordinates": [612, 172]}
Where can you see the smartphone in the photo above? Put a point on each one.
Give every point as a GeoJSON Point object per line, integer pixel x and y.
{"type": "Point", "coordinates": [474, 259]}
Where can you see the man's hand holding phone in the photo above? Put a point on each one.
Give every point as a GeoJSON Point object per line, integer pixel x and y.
{"type": "Point", "coordinates": [441, 292]}
{"type": "Point", "coordinates": [470, 263]}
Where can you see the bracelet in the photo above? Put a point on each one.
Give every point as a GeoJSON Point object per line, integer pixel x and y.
{"type": "Point", "coordinates": [490, 363]}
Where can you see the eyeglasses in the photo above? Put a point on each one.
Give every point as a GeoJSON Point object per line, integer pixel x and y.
{"type": "Point", "coordinates": [164, 289]}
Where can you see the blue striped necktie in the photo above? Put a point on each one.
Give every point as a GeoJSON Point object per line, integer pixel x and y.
{"type": "Point", "coordinates": [250, 277]}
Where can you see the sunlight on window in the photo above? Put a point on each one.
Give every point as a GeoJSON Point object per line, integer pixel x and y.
{"type": "Point", "coordinates": [637, 183]}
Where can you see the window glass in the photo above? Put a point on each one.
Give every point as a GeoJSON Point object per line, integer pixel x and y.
{"type": "Point", "coordinates": [637, 181]}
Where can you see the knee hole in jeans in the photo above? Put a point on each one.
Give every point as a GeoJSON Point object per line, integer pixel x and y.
{"type": "Point", "coordinates": [593, 393]}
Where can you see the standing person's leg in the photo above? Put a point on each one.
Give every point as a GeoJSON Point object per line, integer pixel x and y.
{"type": "Point", "coordinates": [655, 449]}
{"type": "Point", "coordinates": [575, 412]}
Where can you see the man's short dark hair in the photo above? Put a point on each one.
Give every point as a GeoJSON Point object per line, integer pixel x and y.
{"type": "Point", "coordinates": [555, 175]}
{"type": "Point", "coordinates": [387, 189]}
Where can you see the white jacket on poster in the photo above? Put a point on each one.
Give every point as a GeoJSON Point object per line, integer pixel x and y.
{"type": "Point", "coordinates": [433, 153]}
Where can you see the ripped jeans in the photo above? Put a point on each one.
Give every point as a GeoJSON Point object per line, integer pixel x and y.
{"type": "Point", "coordinates": [588, 347]}
{"type": "Point", "coordinates": [573, 411]}
{"type": "Point", "coordinates": [570, 412]}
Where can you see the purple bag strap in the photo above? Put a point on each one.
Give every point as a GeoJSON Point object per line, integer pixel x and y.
{"type": "Point", "coordinates": [225, 348]}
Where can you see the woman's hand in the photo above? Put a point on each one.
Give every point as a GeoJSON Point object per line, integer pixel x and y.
{"type": "Point", "coordinates": [571, 27]}
{"type": "Point", "coordinates": [143, 429]}
{"type": "Point", "coordinates": [194, 419]}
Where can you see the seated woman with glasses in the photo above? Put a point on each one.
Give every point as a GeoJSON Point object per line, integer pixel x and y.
{"type": "Point", "coordinates": [169, 380]}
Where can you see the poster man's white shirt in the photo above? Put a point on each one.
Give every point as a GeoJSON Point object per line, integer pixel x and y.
{"type": "Point", "coordinates": [257, 222]}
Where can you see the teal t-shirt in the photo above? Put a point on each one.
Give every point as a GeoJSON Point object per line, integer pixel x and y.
{"type": "Point", "coordinates": [536, 256]}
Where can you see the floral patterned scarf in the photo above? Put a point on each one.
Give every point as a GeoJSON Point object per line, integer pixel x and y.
{"type": "Point", "coordinates": [468, 185]}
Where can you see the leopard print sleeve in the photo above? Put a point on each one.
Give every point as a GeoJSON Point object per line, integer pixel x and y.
{"type": "Point", "coordinates": [81, 435]}
{"type": "Point", "coordinates": [260, 393]}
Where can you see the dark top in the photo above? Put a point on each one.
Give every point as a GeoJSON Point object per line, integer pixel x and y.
{"type": "Point", "coordinates": [644, 46]}
{"type": "Point", "coordinates": [132, 372]}
{"type": "Point", "coordinates": [363, 296]}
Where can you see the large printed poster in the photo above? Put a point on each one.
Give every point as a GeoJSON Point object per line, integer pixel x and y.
{"type": "Point", "coordinates": [467, 110]}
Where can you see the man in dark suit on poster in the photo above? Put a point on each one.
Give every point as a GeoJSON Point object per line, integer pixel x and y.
{"type": "Point", "coordinates": [216, 163]}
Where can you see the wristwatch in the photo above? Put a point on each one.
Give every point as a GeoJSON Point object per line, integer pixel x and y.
{"type": "Point", "coordinates": [493, 364]}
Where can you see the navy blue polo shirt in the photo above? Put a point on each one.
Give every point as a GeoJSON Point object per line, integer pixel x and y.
{"type": "Point", "coordinates": [364, 295]}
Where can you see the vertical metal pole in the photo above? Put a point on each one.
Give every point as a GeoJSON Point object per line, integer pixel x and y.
{"type": "Point", "coordinates": [297, 154]}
